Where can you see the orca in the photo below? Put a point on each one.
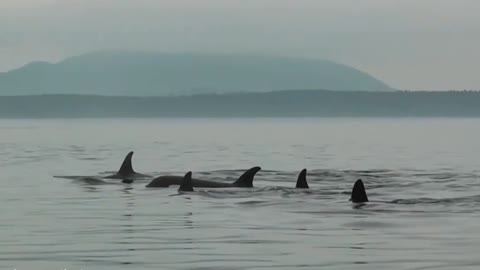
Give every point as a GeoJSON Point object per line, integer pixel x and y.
{"type": "Point", "coordinates": [186, 185]}
{"type": "Point", "coordinates": [302, 179]}
{"type": "Point", "coordinates": [359, 195]}
{"type": "Point", "coordinates": [126, 172]}
{"type": "Point", "coordinates": [245, 180]}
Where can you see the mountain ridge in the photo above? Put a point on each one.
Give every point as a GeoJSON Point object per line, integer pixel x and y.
{"type": "Point", "coordinates": [143, 73]}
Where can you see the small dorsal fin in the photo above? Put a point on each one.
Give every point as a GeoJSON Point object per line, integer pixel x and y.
{"type": "Point", "coordinates": [302, 179]}
{"type": "Point", "coordinates": [359, 194]}
{"type": "Point", "coordinates": [186, 184]}
{"type": "Point", "coordinates": [246, 179]}
{"type": "Point", "coordinates": [126, 167]}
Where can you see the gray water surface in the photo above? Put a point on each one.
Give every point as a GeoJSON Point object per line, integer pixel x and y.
{"type": "Point", "coordinates": [422, 176]}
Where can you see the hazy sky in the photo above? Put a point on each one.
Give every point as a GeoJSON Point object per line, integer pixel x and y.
{"type": "Point", "coordinates": [409, 44]}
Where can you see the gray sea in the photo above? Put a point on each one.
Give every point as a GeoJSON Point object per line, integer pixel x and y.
{"type": "Point", "coordinates": [422, 176]}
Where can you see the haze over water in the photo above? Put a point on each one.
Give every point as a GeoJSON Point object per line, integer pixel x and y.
{"type": "Point", "coordinates": [421, 176]}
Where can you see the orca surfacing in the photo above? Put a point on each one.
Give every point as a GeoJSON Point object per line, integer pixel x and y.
{"type": "Point", "coordinates": [126, 172]}
{"type": "Point", "coordinates": [359, 195]}
{"type": "Point", "coordinates": [245, 180]}
{"type": "Point", "coordinates": [302, 180]}
{"type": "Point", "coordinates": [186, 185]}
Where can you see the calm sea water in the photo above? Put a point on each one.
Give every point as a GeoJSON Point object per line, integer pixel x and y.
{"type": "Point", "coordinates": [422, 176]}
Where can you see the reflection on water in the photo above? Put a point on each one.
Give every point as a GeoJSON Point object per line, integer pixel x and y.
{"type": "Point", "coordinates": [421, 178]}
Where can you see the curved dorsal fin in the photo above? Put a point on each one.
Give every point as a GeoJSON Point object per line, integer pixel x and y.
{"type": "Point", "coordinates": [302, 179]}
{"type": "Point", "coordinates": [359, 194]}
{"type": "Point", "coordinates": [246, 179]}
{"type": "Point", "coordinates": [126, 167]}
{"type": "Point", "coordinates": [186, 184]}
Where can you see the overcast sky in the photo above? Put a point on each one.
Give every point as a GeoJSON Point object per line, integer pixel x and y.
{"type": "Point", "coordinates": [409, 44]}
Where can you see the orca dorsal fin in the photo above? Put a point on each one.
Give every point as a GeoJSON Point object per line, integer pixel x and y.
{"type": "Point", "coordinates": [186, 184]}
{"type": "Point", "coordinates": [246, 179]}
{"type": "Point", "coordinates": [302, 179]}
{"type": "Point", "coordinates": [359, 194]}
{"type": "Point", "coordinates": [126, 167]}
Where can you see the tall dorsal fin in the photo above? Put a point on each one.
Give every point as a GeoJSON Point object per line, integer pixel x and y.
{"type": "Point", "coordinates": [126, 167]}
{"type": "Point", "coordinates": [246, 179]}
{"type": "Point", "coordinates": [359, 194]}
{"type": "Point", "coordinates": [186, 184]}
{"type": "Point", "coordinates": [302, 179]}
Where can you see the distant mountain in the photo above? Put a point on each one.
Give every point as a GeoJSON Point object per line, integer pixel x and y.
{"type": "Point", "coordinates": [159, 74]}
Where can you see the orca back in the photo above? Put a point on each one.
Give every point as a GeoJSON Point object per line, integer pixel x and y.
{"type": "Point", "coordinates": [126, 168]}
{"type": "Point", "coordinates": [246, 179]}
{"type": "Point", "coordinates": [302, 179]}
{"type": "Point", "coordinates": [186, 184]}
{"type": "Point", "coordinates": [359, 194]}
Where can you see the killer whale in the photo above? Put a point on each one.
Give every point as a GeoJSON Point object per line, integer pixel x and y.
{"type": "Point", "coordinates": [186, 185]}
{"type": "Point", "coordinates": [126, 172]}
{"type": "Point", "coordinates": [359, 195]}
{"type": "Point", "coordinates": [245, 180]}
{"type": "Point", "coordinates": [302, 180]}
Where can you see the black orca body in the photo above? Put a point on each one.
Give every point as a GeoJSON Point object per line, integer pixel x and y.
{"type": "Point", "coordinates": [302, 179]}
{"type": "Point", "coordinates": [245, 180]}
{"type": "Point", "coordinates": [126, 172]}
{"type": "Point", "coordinates": [359, 195]}
{"type": "Point", "coordinates": [186, 185]}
